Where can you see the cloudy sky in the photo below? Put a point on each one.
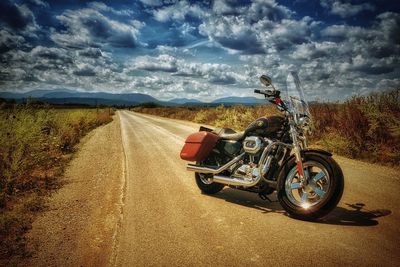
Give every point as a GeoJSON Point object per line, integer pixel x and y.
{"type": "Point", "coordinates": [199, 49]}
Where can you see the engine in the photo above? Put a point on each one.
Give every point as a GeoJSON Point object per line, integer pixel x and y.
{"type": "Point", "coordinates": [252, 145]}
{"type": "Point", "coordinates": [248, 169]}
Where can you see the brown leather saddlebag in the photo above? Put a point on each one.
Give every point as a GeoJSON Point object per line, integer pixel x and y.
{"type": "Point", "coordinates": [198, 146]}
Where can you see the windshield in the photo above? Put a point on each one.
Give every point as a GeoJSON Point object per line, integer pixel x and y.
{"type": "Point", "coordinates": [294, 97]}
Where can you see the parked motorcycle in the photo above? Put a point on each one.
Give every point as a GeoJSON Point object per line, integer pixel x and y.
{"type": "Point", "coordinates": [270, 155]}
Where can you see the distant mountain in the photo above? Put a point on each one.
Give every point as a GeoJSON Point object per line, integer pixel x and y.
{"type": "Point", "coordinates": [66, 96]}
{"type": "Point", "coordinates": [183, 101]}
{"type": "Point", "coordinates": [88, 101]}
{"type": "Point", "coordinates": [240, 100]}
{"type": "Point", "coordinates": [34, 93]}
{"type": "Point", "coordinates": [69, 96]}
{"type": "Point", "coordinates": [133, 97]}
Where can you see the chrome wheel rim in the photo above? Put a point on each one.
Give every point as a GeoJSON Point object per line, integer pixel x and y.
{"type": "Point", "coordinates": [204, 179]}
{"type": "Point", "coordinates": [317, 189]}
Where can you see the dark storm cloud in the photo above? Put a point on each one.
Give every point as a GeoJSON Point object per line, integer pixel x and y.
{"type": "Point", "coordinates": [376, 70]}
{"type": "Point", "coordinates": [51, 53]}
{"type": "Point", "coordinates": [246, 43]}
{"type": "Point", "coordinates": [39, 3]}
{"type": "Point", "coordinates": [91, 52]}
{"type": "Point", "coordinates": [9, 41]}
{"type": "Point", "coordinates": [15, 16]}
{"type": "Point", "coordinates": [85, 72]}
{"type": "Point", "coordinates": [225, 80]}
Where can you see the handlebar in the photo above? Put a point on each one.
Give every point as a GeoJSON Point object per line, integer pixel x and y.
{"type": "Point", "coordinates": [268, 93]}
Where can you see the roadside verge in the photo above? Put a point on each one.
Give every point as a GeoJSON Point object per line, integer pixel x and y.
{"type": "Point", "coordinates": [80, 223]}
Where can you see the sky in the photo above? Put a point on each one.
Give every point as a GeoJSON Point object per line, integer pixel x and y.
{"type": "Point", "coordinates": [200, 49]}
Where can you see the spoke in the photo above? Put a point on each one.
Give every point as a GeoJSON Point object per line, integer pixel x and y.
{"type": "Point", "coordinates": [295, 186]}
{"type": "Point", "coordinates": [319, 192]}
{"type": "Point", "coordinates": [318, 176]}
{"type": "Point", "coordinates": [307, 173]}
{"type": "Point", "coordinates": [304, 197]}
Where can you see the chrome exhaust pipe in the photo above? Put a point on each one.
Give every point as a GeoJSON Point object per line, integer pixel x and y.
{"type": "Point", "coordinates": [236, 181]}
{"type": "Point", "coordinates": [200, 169]}
{"type": "Point", "coordinates": [265, 162]}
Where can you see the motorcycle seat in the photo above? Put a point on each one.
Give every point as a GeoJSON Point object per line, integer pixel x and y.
{"type": "Point", "coordinates": [228, 134]}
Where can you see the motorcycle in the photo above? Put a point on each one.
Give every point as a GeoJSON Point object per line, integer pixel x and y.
{"type": "Point", "coordinates": [270, 155]}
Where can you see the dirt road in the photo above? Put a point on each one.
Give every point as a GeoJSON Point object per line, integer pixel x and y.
{"type": "Point", "coordinates": [129, 201]}
{"type": "Point", "coordinates": [166, 221]}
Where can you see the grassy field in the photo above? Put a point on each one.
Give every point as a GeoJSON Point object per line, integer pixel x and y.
{"type": "Point", "coordinates": [364, 127]}
{"type": "Point", "coordinates": [35, 145]}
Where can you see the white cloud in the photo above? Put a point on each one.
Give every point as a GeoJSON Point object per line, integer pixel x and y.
{"type": "Point", "coordinates": [313, 50]}
{"type": "Point", "coordinates": [103, 7]}
{"type": "Point", "coordinates": [40, 3]}
{"type": "Point", "coordinates": [267, 9]}
{"type": "Point", "coordinates": [163, 62]}
{"type": "Point", "coordinates": [232, 32]}
{"type": "Point", "coordinates": [345, 10]}
{"type": "Point", "coordinates": [89, 27]}
{"type": "Point", "coordinates": [178, 11]}
{"type": "Point", "coordinates": [152, 2]}
{"type": "Point", "coordinates": [223, 7]}
{"type": "Point", "coordinates": [389, 24]}
{"type": "Point", "coordinates": [239, 34]}
{"type": "Point", "coordinates": [211, 72]}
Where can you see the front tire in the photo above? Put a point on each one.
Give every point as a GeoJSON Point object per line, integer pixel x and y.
{"type": "Point", "coordinates": [320, 196]}
{"type": "Point", "coordinates": [207, 187]}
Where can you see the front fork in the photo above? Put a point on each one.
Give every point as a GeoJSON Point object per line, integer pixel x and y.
{"type": "Point", "coordinates": [297, 152]}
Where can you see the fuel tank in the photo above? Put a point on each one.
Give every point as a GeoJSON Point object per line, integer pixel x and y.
{"type": "Point", "coordinates": [270, 126]}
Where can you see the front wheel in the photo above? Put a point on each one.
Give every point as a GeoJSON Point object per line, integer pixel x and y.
{"type": "Point", "coordinates": [206, 185]}
{"type": "Point", "coordinates": [319, 196]}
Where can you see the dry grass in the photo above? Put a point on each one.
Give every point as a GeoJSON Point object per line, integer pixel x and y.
{"type": "Point", "coordinates": [365, 127]}
{"type": "Point", "coordinates": [35, 144]}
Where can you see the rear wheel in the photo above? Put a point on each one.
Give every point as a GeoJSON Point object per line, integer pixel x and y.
{"type": "Point", "coordinates": [206, 185]}
{"type": "Point", "coordinates": [319, 196]}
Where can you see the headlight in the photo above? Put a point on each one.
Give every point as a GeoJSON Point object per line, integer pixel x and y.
{"type": "Point", "coordinates": [303, 121]}
{"type": "Point", "coordinates": [305, 124]}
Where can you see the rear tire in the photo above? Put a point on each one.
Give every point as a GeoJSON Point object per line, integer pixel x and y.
{"type": "Point", "coordinates": [207, 188]}
{"type": "Point", "coordinates": [317, 209]}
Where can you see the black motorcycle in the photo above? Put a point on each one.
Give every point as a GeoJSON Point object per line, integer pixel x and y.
{"type": "Point", "coordinates": [271, 154]}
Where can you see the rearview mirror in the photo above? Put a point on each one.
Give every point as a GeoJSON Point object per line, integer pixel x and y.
{"type": "Point", "coordinates": [265, 80]}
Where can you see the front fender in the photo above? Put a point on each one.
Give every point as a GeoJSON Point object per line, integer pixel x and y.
{"type": "Point", "coordinates": [284, 167]}
{"type": "Point", "coordinates": [303, 154]}
{"type": "Point", "coordinates": [316, 151]}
